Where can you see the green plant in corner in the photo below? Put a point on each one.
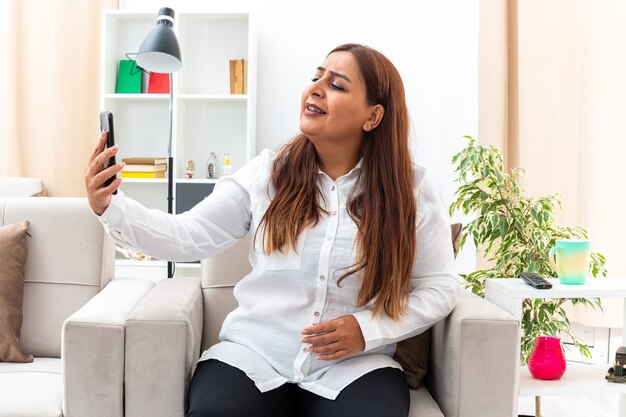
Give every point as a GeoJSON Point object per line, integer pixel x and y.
{"type": "Point", "coordinates": [514, 233]}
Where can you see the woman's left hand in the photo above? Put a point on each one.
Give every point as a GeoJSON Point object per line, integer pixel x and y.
{"type": "Point", "coordinates": [335, 339]}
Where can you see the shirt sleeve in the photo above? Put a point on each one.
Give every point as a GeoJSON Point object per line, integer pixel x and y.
{"type": "Point", "coordinates": [211, 226]}
{"type": "Point", "coordinates": [434, 282]}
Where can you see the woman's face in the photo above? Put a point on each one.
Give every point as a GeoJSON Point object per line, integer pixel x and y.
{"type": "Point", "coordinates": [335, 106]}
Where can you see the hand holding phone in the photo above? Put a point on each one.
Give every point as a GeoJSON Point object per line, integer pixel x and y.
{"type": "Point", "coordinates": [99, 184]}
{"type": "Point", "coordinates": [106, 125]}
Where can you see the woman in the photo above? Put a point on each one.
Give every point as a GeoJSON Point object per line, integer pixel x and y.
{"type": "Point", "coordinates": [350, 250]}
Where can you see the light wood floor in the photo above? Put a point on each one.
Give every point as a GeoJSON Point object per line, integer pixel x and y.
{"type": "Point", "coordinates": [572, 406]}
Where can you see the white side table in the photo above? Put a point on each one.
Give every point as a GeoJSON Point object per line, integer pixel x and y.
{"type": "Point", "coordinates": [579, 379]}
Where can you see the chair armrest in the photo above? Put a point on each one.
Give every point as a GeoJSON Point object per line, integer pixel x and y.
{"type": "Point", "coordinates": [474, 360]}
{"type": "Point", "coordinates": [163, 337]}
{"type": "Point", "coordinates": [92, 350]}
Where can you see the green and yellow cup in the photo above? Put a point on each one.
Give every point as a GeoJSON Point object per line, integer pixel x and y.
{"type": "Point", "coordinates": [570, 258]}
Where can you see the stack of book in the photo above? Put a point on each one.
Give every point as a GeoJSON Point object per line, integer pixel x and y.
{"type": "Point", "coordinates": [238, 76]}
{"type": "Point", "coordinates": [144, 167]}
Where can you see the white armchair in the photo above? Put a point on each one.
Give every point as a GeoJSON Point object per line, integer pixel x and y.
{"type": "Point", "coordinates": [73, 315]}
{"type": "Point", "coordinates": [472, 369]}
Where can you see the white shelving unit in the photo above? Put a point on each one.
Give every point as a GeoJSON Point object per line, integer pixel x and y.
{"type": "Point", "coordinates": [206, 117]}
{"type": "Point", "coordinates": [579, 379]}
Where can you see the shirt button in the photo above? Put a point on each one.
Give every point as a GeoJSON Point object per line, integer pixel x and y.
{"type": "Point", "coordinates": [299, 379]}
{"type": "Point", "coordinates": [322, 277]}
{"type": "Point", "coordinates": [330, 238]}
{"type": "Point", "coordinates": [316, 314]}
{"type": "Point", "coordinates": [334, 213]}
{"type": "Point", "coordinates": [333, 189]}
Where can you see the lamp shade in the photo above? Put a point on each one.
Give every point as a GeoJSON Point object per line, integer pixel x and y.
{"type": "Point", "coordinates": [160, 51]}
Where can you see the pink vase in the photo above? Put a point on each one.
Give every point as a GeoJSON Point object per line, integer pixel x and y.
{"type": "Point", "coordinates": [547, 360]}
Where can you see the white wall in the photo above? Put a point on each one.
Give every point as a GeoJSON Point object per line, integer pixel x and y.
{"type": "Point", "coordinates": [434, 45]}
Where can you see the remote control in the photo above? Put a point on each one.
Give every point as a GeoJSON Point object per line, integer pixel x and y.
{"type": "Point", "coordinates": [535, 280]}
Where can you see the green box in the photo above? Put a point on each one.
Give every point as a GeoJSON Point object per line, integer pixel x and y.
{"type": "Point", "coordinates": [128, 77]}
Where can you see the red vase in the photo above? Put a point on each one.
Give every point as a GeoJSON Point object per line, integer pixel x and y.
{"type": "Point", "coordinates": [547, 360]}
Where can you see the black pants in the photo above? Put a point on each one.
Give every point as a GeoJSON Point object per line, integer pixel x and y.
{"type": "Point", "coordinates": [220, 390]}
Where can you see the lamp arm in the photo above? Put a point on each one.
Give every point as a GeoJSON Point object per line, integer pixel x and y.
{"type": "Point", "coordinates": [169, 145]}
{"type": "Point", "coordinates": [170, 173]}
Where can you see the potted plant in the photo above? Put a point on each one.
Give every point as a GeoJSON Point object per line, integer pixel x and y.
{"type": "Point", "coordinates": [514, 233]}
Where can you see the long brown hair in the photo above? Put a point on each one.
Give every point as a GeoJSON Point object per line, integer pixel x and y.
{"type": "Point", "coordinates": [383, 204]}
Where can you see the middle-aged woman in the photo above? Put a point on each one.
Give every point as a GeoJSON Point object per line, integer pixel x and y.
{"type": "Point", "coordinates": [350, 249]}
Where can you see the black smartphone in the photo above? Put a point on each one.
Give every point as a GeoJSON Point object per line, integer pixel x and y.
{"type": "Point", "coordinates": [106, 125]}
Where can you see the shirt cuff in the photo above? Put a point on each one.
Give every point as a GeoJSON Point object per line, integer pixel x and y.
{"type": "Point", "coordinates": [115, 212]}
{"type": "Point", "coordinates": [371, 335]}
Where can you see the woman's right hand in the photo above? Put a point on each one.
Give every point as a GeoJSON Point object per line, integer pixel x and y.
{"type": "Point", "coordinates": [99, 196]}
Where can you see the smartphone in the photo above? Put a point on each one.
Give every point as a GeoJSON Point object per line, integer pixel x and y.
{"type": "Point", "coordinates": [106, 125]}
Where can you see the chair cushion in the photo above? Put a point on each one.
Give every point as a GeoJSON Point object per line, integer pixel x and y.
{"type": "Point", "coordinates": [412, 354]}
{"type": "Point", "coordinates": [12, 259]}
{"type": "Point", "coordinates": [422, 404]}
{"type": "Point", "coordinates": [31, 389]}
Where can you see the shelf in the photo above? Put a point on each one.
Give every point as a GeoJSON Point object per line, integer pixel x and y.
{"type": "Point", "coordinates": [214, 97]}
{"type": "Point", "coordinates": [613, 287]}
{"type": "Point", "coordinates": [137, 97]}
{"type": "Point", "coordinates": [578, 379]}
{"type": "Point", "coordinates": [182, 96]}
{"type": "Point", "coordinates": [144, 180]}
{"type": "Point", "coordinates": [197, 181]}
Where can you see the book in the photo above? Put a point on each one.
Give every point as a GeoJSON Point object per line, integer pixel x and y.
{"type": "Point", "coordinates": [158, 83]}
{"type": "Point", "coordinates": [233, 76]}
{"type": "Point", "coordinates": [238, 76]}
{"type": "Point", "coordinates": [128, 78]}
{"type": "Point", "coordinates": [129, 174]}
{"type": "Point", "coordinates": [144, 168]}
{"type": "Point", "coordinates": [239, 70]}
{"type": "Point", "coordinates": [145, 161]}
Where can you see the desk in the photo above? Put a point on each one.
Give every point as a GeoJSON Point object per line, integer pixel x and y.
{"type": "Point", "coordinates": [579, 379]}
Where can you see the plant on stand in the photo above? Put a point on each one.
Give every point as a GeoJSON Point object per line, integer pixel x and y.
{"type": "Point", "coordinates": [513, 233]}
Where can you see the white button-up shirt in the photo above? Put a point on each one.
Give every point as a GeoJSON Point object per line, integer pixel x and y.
{"type": "Point", "coordinates": [285, 293]}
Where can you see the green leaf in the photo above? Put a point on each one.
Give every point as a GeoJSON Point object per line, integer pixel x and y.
{"type": "Point", "coordinates": [504, 226]}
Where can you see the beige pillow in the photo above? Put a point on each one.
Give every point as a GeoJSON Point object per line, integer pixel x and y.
{"type": "Point", "coordinates": [12, 260]}
{"type": "Point", "coordinates": [412, 353]}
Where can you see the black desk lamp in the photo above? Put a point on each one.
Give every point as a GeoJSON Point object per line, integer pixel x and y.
{"type": "Point", "coordinates": [160, 52]}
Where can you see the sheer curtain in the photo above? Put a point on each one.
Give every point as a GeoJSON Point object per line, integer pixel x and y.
{"type": "Point", "coordinates": [552, 96]}
{"type": "Point", "coordinates": [50, 55]}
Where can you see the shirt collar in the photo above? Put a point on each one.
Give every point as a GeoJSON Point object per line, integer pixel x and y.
{"type": "Point", "coordinates": [353, 170]}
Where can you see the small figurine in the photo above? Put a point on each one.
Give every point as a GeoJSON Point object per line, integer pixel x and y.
{"type": "Point", "coordinates": [227, 168]}
{"type": "Point", "coordinates": [212, 166]}
{"type": "Point", "coordinates": [191, 169]}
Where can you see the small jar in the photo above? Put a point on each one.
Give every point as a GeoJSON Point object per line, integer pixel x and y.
{"type": "Point", "coordinates": [547, 360]}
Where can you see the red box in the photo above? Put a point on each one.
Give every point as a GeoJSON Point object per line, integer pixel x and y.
{"type": "Point", "coordinates": [158, 83]}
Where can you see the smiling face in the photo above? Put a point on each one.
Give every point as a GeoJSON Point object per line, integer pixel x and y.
{"type": "Point", "coordinates": [334, 106]}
